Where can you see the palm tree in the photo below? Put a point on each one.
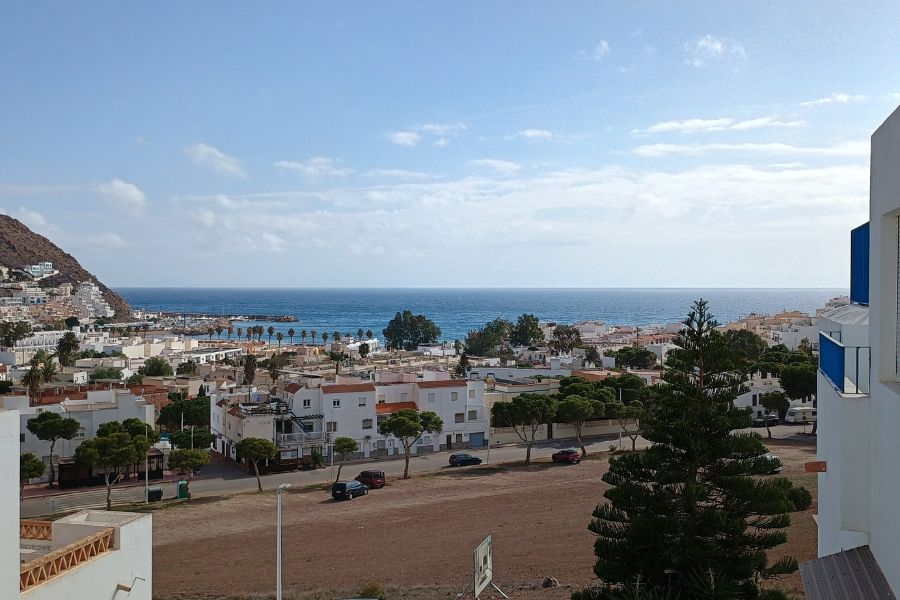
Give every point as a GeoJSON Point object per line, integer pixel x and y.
{"type": "Point", "coordinates": [145, 327]}
{"type": "Point", "coordinates": [359, 333]}
{"type": "Point", "coordinates": [279, 336]}
{"type": "Point", "coordinates": [219, 330]}
{"type": "Point", "coordinates": [66, 346]}
{"type": "Point", "coordinates": [324, 337]}
{"type": "Point", "coordinates": [250, 332]}
{"type": "Point", "coordinates": [313, 335]}
{"type": "Point", "coordinates": [303, 336]}
{"type": "Point", "coordinates": [210, 331]}
{"type": "Point", "coordinates": [48, 370]}
{"type": "Point", "coordinates": [230, 329]}
{"type": "Point", "coordinates": [336, 336]}
{"type": "Point", "coordinates": [369, 334]}
{"type": "Point", "coordinates": [291, 334]}
{"type": "Point", "coordinates": [271, 332]}
{"type": "Point", "coordinates": [33, 380]}
{"type": "Point", "coordinates": [260, 330]}
{"type": "Point", "coordinates": [240, 332]}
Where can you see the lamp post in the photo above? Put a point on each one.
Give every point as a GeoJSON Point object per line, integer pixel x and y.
{"type": "Point", "coordinates": [281, 488]}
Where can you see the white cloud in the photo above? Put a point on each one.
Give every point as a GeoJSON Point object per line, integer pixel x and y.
{"type": "Point", "coordinates": [836, 98]}
{"type": "Point", "coordinates": [397, 174]}
{"type": "Point", "coordinates": [106, 241]}
{"type": "Point", "coordinates": [706, 49]}
{"type": "Point", "coordinates": [209, 156]}
{"type": "Point", "coordinates": [719, 124]}
{"type": "Point", "coordinates": [272, 242]}
{"type": "Point", "coordinates": [855, 148]}
{"type": "Point", "coordinates": [122, 194]}
{"type": "Point", "coordinates": [503, 167]}
{"type": "Point", "coordinates": [442, 129]}
{"type": "Point", "coordinates": [441, 142]}
{"type": "Point", "coordinates": [601, 50]}
{"type": "Point", "coordinates": [535, 134]}
{"type": "Point", "coordinates": [405, 138]}
{"type": "Point", "coordinates": [318, 166]}
{"type": "Point", "coordinates": [33, 219]}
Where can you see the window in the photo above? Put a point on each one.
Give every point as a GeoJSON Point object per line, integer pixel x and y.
{"type": "Point", "coordinates": [21, 438]}
{"type": "Point", "coordinates": [362, 400]}
{"type": "Point", "coordinates": [460, 417]}
{"type": "Point", "coordinates": [367, 424]}
{"type": "Point", "coordinates": [431, 396]}
{"type": "Point", "coordinates": [454, 396]}
{"type": "Point", "coordinates": [79, 434]}
{"type": "Point", "coordinates": [473, 415]}
{"type": "Point", "coordinates": [336, 403]}
{"type": "Point", "coordinates": [381, 419]}
{"type": "Point", "coordinates": [380, 398]}
{"type": "Point", "coordinates": [307, 402]}
{"type": "Point", "coordinates": [425, 440]}
{"type": "Point", "coordinates": [471, 393]}
{"type": "Point", "coordinates": [403, 396]}
{"type": "Point", "coordinates": [459, 438]}
{"type": "Point", "coordinates": [755, 400]}
{"type": "Point", "coordinates": [331, 426]}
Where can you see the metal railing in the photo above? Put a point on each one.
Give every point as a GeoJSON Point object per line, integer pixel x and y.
{"type": "Point", "coordinates": [846, 367]}
{"type": "Point", "coordinates": [299, 437]}
{"type": "Point", "coordinates": [39, 570]}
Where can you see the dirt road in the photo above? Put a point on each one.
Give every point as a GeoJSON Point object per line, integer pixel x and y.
{"type": "Point", "coordinates": [415, 537]}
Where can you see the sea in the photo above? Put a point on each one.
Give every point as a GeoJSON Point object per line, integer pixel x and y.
{"type": "Point", "coordinates": [456, 311]}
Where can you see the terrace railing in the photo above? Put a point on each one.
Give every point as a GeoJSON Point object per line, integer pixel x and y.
{"type": "Point", "coordinates": [35, 530]}
{"type": "Point", "coordinates": [39, 570]}
{"type": "Point", "coordinates": [846, 367]}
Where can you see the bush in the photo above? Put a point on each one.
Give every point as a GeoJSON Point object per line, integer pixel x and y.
{"type": "Point", "coordinates": [800, 498]}
{"type": "Point", "coordinates": [613, 447]}
{"type": "Point", "coordinates": [373, 589]}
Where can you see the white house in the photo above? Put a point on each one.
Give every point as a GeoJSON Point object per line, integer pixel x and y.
{"type": "Point", "coordinates": [28, 346]}
{"type": "Point", "coordinates": [858, 447]}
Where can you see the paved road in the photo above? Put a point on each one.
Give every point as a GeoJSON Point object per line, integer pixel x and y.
{"type": "Point", "coordinates": [227, 478]}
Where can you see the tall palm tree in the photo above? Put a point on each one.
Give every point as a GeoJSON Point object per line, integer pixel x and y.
{"type": "Point", "coordinates": [33, 380]}
{"type": "Point", "coordinates": [219, 330]}
{"type": "Point", "coordinates": [369, 334]}
{"type": "Point", "coordinates": [314, 334]}
{"type": "Point", "coordinates": [324, 337]}
{"type": "Point", "coordinates": [303, 336]}
{"type": "Point", "coordinates": [48, 370]}
{"type": "Point", "coordinates": [359, 333]}
{"type": "Point", "coordinates": [67, 345]}
{"type": "Point", "coordinates": [271, 332]}
{"type": "Point", "coordinates": [210, 331]}
{"type": "Point", "coordinates": [251, 331]}
{"type": "Point", "coordinates": [230, 329]}
{"type": "Point", "coordinates": [336, 336]}
{"type": "Point", "coordinates": [260, 330]}
{"type": "Point", "coordinates": [240, 332]}
{"type": "Point", "coordinates": [279, 336]}
{"type": "Point", "coordinates": [291, 334]}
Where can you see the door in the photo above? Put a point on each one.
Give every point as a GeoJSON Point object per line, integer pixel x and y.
{"type": "Point", "coordinates": [476, 440]}
{"type": "Point", "coordinates": [449, 442]}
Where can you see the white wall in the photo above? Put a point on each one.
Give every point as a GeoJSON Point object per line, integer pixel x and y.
{"type": "Point", "coordinates": [9, 504]}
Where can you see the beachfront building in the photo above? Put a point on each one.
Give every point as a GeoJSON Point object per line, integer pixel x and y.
{"type": "Point", "coordinates": [84, 556]}
{"type": "Point", "coordinates": [859, 399]}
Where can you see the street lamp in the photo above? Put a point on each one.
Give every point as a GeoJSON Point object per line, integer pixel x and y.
{"type": "Point", "coordinates": [281, 488]}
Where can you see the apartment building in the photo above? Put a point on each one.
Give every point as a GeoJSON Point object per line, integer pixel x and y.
{"type": "Point", "coordinates": [89, 301]}
{"type": "Point", "coordinates": [27, 347]}
{"type": "Point", "coordinates": [859, 398]}
{"type": "Point", "coordinates": [87, 555]}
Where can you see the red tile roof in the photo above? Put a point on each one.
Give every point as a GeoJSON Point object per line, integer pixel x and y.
{"type": "Point", "coordinates": [392, 407]}
{"type": "Point", "coordinates": [442, 384]}
{"type": "Point", "coordinates": [293, 388]}
{"type": "Point", "coordinates": [348, 387]}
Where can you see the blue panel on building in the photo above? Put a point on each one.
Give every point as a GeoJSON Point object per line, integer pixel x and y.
{"type": "Point", "coordinates": [859, 265]}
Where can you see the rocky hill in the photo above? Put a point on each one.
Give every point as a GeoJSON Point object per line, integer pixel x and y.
{"type": "Point", "coordinates": [19, 247]}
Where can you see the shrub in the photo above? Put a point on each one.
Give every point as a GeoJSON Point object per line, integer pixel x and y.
{"type": "Point", "coordinates": [800, 498]}
{"type": "Point", "coordinates": [613, 447]}
{"type": "Point", "coordinates": [373, 589]}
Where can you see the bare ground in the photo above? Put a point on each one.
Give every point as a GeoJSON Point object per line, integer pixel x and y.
{"type": "Point", "coordinates": [415, 538]}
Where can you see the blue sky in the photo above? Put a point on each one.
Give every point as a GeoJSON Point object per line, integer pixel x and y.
{"type": "Point", "coordinates": [446, 144]}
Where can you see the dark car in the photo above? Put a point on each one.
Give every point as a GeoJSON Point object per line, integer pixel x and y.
{"type": "Point", "coordinates": [765, 420]}
{"type": "Point", "coordinates": [570, 456]}
{"type": "Point", "coordinates": [347, 490]}
{"type": "Point", "coordinates": [461, 459]}
{"type": "Point", "coordinates": [372, 479]}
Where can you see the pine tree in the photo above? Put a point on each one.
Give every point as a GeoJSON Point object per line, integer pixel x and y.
{"type": "Point", "coordinates": [693, 502]}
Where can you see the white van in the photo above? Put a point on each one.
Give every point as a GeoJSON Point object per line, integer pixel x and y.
{"type": "Point", "coordinates": [800, 414]}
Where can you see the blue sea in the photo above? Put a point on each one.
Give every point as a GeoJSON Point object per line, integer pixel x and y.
{"type": "Point", "coordinates": [458, 310]}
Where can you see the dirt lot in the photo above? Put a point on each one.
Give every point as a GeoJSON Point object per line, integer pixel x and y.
{"type": "Point", "coordinates": [414, 538]}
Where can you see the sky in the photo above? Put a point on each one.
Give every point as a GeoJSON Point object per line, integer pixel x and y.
{"type": "Point", "coordinates": [446, 144]}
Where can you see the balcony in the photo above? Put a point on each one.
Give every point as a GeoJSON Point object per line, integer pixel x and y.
{"type": "Point", "coordinates": [847, 368]}
{"type": "Point", "coordinates": [299, 438]}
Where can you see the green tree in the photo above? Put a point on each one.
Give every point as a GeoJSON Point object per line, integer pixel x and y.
{"type": "Point", "coordinates": [276, 363]}
{"type": "Point", "coordinates": [188, 367]}
{"type": "Point", "coordinates": [278, 337]}
{"type": "Point", "coordinates": [636, 358]}
{"type": "Point", "coordinates": [462, 367]}
{"type": "Point", "coordinates": [106, 373]}
{"type": "Point", "coordinates": [693, 501]}
{"type": "Point", "coordinates": [313, 334]}
{"type": "Point", "coordinates": [230, 330]}
{"type": "Point", "coordinates": [360, 333]}
{"type": "Point", "coordinates": [156, 366]}
{"type": "Point", "coordinates": [254, 450]}
{"type": "Point", "coordinates": [112, 451]}
{"type": "Point", "coordinates": [271, 332]}
{"type": "Point", "coordinates": [194, 412]}
{"type": "Point", "coordinates": [746, 345]}
{"type": "Point", "coordinates": [408, 425]}
{"type": "Point", "coordinates": [458, 347]}
{"type": "Point", "coordinates": [776, 402]}
{"type": "Point", "coordinates": [525, 414]}
{"type": "Point", "coordinates": [369, 334]}
{"type": "Point", "coordinates": [249, 369]}
{"type": "Point", "coordinates": [72, 322]}
{"type": "Point", "coordinates": [592, 356]}
{"type": "Point", "coordinates": [219, 330]}
{"type": "Point", "coordinates": [187, 460]}
{"type": "Point", "coordinates": [625, 415]}
{"type": "Point", "coordinates": [406, 331]}
{"type": "Point", "coordinates": [364, 350]}
{"type": "Point", "coordinates": [30, 467]}
{"type": "Point", "coordinates": [343, 447]}
{"type": "Point", "coordinates": [12, 332]}
{"type": "Point", "coordinates": [135, 379]}
{"type": "Point", "coordinates": [335, 336]}
{"type": "Point", "coordinates": [240, 332]}
{"type": "Point", "coordinates": [577, 410]}
{"type": "Point", "coordinates": [799, 380]}
{"type": "Point", "coordinates": [67, 345]}
{"type": "Point", "coordinates": [33, 379]}
{"type": "Point", "coordinates": [291, 334]}
{"type": "Point", "coordinates": [565, 338]}
{"type": "Point", "coordinates": [527, 331]}
{"type": "Point", "coordinates": [50, 427]}
{"type": "Point", "coordinates": [201, 436]}
{"type": "Point", "coordinates": [324, 337]}
{"type": "Point", "coordinates": [490, 341]}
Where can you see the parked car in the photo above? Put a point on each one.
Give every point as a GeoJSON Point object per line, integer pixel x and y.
{"type": "Point", "coordinates": [347, 490]}
{"type": "Point", "coordinates": [765, 420]}
{"type": "Point", "coordinates": [461, 459]}
{"type": "Point", "coordinates": [573, 457]}
{"type": "Point", "coordinates": [372, 479]}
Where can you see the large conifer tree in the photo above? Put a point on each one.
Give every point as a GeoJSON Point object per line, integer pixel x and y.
{"type": "Point", "coordinates": [695, 503]}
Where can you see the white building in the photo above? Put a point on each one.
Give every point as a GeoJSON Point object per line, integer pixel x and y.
{"type": "Point", "coordinates": [41, 270]}
{"type": "Point", "coordinates": [89, 301]}
{"type": "Point", "coordinates": [858, 446]}
{"type": "Point", "coordinates": [87, 555]}
{"type": "Point", "coordinates": [28, 346]}
{"type": "Point", "coordinates": [757, 386]}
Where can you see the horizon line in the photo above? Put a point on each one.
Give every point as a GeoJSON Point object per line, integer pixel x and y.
{"type": "Point", "coordinates": [272, 287]}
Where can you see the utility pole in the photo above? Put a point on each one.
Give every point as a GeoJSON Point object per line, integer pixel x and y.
{"type": "Point", "coordinates": [281, 488]}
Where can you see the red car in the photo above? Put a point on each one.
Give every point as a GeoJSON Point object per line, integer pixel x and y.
{"type": "Point", "coordinates": [373, 479]}
{"type": "Point", "coordinates": [573, 457]}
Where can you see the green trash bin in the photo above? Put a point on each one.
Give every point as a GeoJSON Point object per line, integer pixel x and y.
{"type": "Point", "coordinates": [182, 490]}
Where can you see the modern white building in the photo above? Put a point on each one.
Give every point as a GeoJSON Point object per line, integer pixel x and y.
{"type": "Point", "coordinates": [87, 555]}
{"type": "Point", "coordinates": [26, 348]}
{"type": "Point", "coordinates": [859, 393]}
{"type": "Point", "coordinates": [89, 301]}
{"type": "Point", "coordinates": [41, 270]}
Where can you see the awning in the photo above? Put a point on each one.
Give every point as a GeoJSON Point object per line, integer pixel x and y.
{"type": "Point", "coordinates": [849, 574]}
